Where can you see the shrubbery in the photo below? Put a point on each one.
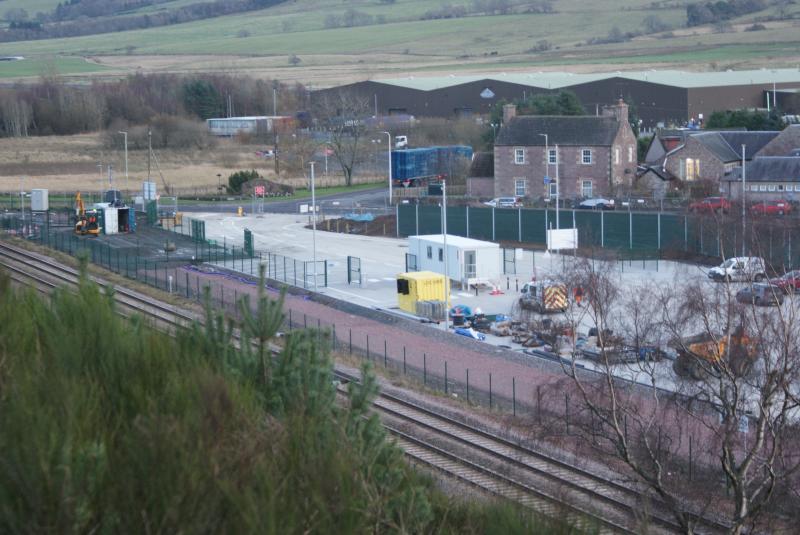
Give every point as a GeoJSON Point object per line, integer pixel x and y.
{"type": "Point", "coordinates": [108, 426]}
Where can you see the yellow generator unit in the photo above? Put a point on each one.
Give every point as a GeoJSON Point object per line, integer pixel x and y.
{"type": "Point", "coordinates": [421, 286]}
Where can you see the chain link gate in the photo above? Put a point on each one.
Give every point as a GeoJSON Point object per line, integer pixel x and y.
{"type": "Point", "coordinates": [354, 270]}
{"type": "Point", "coordinates": [509, 261]}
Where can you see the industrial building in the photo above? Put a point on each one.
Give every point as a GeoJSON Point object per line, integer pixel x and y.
{"type": "Point", "coordinates": [665, 97]}
{"type": "Point", "coordinates": [231, 126]}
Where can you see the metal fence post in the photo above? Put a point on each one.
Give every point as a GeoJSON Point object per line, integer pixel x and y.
{"type": "Point", "coordinates": [425, 369]}
{"type": "Point", "coordinates": [514, 395]}
{"type": "Point", "coordinates": [367, 347]}
{"type": "Point", "coordinates": [630, 230]}
{"type": "Point", "coordinates": [351, 341]}
{"type": "Point", "coordinates": [385, 355]}
{"type": "Point", "coordinates": [404, 360]}
{"type": "Point", "coordinates": [467, 385]}
{"type": "Point", "coordinates": [490, 390]}
{"type": "Point", "coordinates": [493, 231]}
{"type": "Point", "coordinates": [334, 337]}
{"type": "Point", "coordinates": [445, 378]}
{"type": "Point", "coordinates": [602, 229]}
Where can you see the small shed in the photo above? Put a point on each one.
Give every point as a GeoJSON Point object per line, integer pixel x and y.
{"type": "Point", "coordinates": [420, 287]}
{"type": "Point", "coordinates": [468, 261]}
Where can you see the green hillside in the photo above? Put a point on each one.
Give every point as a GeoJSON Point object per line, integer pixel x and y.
{"type": "Point", "coordinates": [394, 37]}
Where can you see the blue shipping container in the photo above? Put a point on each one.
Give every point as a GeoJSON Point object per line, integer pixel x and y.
{"type": "Point", "coordinates": [412, 164]}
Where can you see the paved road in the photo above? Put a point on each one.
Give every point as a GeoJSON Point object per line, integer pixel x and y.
{"type": "Point", "coordinates": [371, 198]}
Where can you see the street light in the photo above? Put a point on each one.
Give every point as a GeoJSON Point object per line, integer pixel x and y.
{"type": "Point", "coordinates": [388, 135]}
{"type": "Point", "coordinates": [314, 225]}
{"type": "Point", "coordinates": [126, 158]}
{"type": "Point", "coordinates": [444, 244]}
{"type": "Point", "coordinates": [744, 211]}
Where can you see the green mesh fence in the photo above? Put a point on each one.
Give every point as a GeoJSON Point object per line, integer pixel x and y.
{"type": "Point", "coordinates": [533, 226]}
{"type": "Point", "coordinates": [673, 232]}
{"type": "Point", "coordinates": [480, 223]}
{"type": "Point", "coordinates": [430, 219]}
{"type": "Point", "coordinates": [589, 228]}
{"type": "Point", "coordinates": [616, 229]}
{"type": "Point", "coordinates": [506, 224]}
{"type": "Point", "coordinates": [457, 220]}
{"type": "Point", "coordinates": [407, 220]}
{"type": "Point", "coordinates": [645, 231]}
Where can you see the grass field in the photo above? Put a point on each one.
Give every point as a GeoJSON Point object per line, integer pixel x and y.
{"type": "Point", "coordinates": [48, 65]}
{"type": "Point", "coordinates": [405, 44]}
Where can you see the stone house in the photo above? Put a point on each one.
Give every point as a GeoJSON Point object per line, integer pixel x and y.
{"type": "Point", "coordinates": [766, 178]}
{"type": "Point", "coordinates": [480, 177]}
{"type": "Point", "coordinates": [592, 156]}
{"type": "Point", "coordinates": [705, 155]}
{"type": "Point", "coordinates": [784, 144]}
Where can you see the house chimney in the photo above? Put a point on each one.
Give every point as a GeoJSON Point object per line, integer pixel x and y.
{"type": "Point", "coordinates": [509, 112]}
{"type": "Point", "coordinates": [618, 110]}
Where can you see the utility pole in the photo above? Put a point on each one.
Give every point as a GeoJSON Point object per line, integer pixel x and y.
{"type": "Point", "coordinates": [110, 177]}
{"type": "Point", "coordinates": [446, 273]}
{"type": "Point", "coordinates": [744, 204]}
{"type": "Point", "coordinates": [390, 165]}
{"type": "Point", "coordinates": [126, 159]}
{"type": "Point", "coordinates": [22, 199]}
{"type": "Point", "coordinates": [558, 188]}
{"type": "Point", "coordinates": [314, 225]}
{"type": "Point", "coordinates": [149, 151]}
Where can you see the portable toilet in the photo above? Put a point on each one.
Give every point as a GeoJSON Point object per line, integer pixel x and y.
{"type": "Point", "coordinates": [420, 286]}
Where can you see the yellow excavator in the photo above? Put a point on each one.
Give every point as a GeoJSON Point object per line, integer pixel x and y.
{"type": "Point", "coordinates": [85, 222]}
{"type": "Point", "coordinates": [705, 354]}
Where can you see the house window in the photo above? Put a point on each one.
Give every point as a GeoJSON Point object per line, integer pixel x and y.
{"type": "Point", "coordinates": [553, 190]}
{"type": "Point", "coordinates": [682, 169]}
{"type": "Point", "coordinates": [780, 187]}
{"type": "Point", "coordinates": [630, 154]}
{"type": "Point", "coordinates": [771, 187]}
{"type": "Point", "coordinates": [762, 187]}
{"type": "Point", "coordinates": [519, 156]}
{"type": "Point", "coordinates": [586, 188]}
{"type": "Point", "coordinates": [551, 156]}
{"type": "Point", "coordinates": [586, 156]}
{"type": "Point", "coordinates": [692, 168]}
{"type": "Point", "coordinates": [754, 187]}
{"type": "Point", "coordinates": [789, 187]}
{"type": "Point", "coordinates": [430, 252]}
{"type": "Point", "coordinates": [520, 187]}
{"type": "Point", "coordinates": [616, 155]}
{"type": "Point", "coordinates": [441, 254]}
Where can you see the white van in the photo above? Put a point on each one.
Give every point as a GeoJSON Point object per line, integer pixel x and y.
{"type": "Point", "coordinates": [740, 269]}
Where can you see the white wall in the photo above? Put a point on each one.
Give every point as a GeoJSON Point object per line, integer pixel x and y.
{"type": "Point", "coordinates": [488, 259]}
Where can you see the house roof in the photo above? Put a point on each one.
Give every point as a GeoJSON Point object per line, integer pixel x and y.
{"type": "Point", "coordinates": [726, 145]}
{"type": "Point", "coordinates": [769, 169]}
{"type": "Point", "coordinates": [582, 130]}
{"type": "Point", "coordinates": [456, 241]}
{"type": "Point", "coordinates": [657, 170]}
{"type": "Point", "coordinates": [558, 80]}
{"type": "Point", "coordinates": [482, 165]}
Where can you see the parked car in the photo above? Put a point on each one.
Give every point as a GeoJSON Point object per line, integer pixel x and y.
{"type": "Point", "coordinates": [761, 295]}
{"type": "Point", "coordinates": [504, 202]}
{"type": "Point", "coordinates": [597, 204]}
{"type": "Point", "coordinates": [740, 269]}
{"type": "Point", "coordinates": [711, 205]}
{"type": "Point", "coordinates": [470, 333]}
{"type": "Point", "coordinates": [789, 282]}
{"type": "Point", "coordinates": [771, 208]}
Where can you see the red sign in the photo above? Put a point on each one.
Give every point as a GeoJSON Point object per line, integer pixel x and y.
{"type": "Point", "coordinates": [260, 190]}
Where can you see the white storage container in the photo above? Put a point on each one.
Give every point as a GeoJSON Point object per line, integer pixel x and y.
{"type": "Point", "coordinates": [110, 221]}
{"type": "Point", "coordinates": [468, 261]}
{"type": "Point", "coordinates": [40, 200]}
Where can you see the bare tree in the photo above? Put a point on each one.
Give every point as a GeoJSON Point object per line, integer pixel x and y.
{"type": "Point", "coordinates": [343, 115]}
{"type": "Point", "coordinates": [717, 430]}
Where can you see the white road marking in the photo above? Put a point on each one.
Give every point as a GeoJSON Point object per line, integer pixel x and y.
{"type": "Point", "coordinates": [352, 294]}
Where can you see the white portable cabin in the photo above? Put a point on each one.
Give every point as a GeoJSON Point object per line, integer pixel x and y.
{"type": "Point", "coordinates": [468, 261]}
{"type": "Point", "coordinates": [40, 200]}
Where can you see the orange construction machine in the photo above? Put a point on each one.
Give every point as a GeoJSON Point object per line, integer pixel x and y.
{"type": "Point", "coordinates": [85, 222]}
{"type": "Point", "coordinates": [704, 354]}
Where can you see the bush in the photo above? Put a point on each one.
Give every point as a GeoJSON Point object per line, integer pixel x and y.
{"type": "Point", "coordinates": [237, 179]}
{"type": "Point", "coordinates": [168, 132]}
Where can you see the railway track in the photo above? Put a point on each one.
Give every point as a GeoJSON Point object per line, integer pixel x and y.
{"type": "Point", "coordinates": [473, 456]}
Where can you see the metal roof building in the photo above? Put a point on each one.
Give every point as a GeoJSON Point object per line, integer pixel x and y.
{"type": "Point", "coordinates": [660, 96]}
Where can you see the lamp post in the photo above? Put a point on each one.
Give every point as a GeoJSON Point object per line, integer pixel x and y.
{"type": "Point", "coordinates": [744, 210]}
{"type": "Point", "coordinates": [126, 158]}
{"type": "Point", "coordinates": [546, 162]}
{"type": "Point", "coordinates": [22, 200]}
{"type": "Point", "coordinates": [444, 240]}
{"type": "Point", "coordinates": [389, 136]}
{"type": "Point", "coordinates": [219, 182]}
{"type": "Point", "coordinates": [313, 226]}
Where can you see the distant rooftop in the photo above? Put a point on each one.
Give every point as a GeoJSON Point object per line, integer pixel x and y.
{"type": "Point", "coordinates": [558, 80]}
